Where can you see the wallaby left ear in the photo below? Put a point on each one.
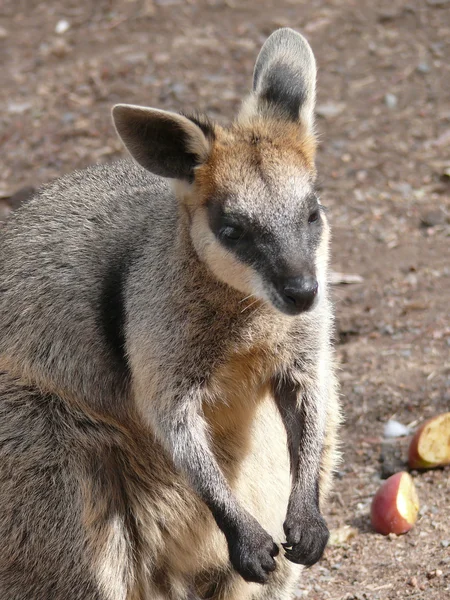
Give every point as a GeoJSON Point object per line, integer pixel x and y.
{"type": "Point", "coordinates": [165, 143]}
{"type": "Point", "coordinates": [284, 79]}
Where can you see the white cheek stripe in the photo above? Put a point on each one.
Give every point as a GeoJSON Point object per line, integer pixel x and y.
{"type": "Point", "coordinates": [228, 269]}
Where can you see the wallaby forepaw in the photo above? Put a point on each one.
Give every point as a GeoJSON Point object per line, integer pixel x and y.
{"type": "Point", "coordinates": [306, 538]}
{"type": "Point", "coordinates": [252, 552]}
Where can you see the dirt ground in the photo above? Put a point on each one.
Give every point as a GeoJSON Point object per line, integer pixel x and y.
{"type": "Point", "coordinates": [384, 163]}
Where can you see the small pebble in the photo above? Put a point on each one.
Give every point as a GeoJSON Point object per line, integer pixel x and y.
{"type": "Point", "coordinates": [403, 188]}
{"type": "Point", "coordinates": [445, 543]}
{"type": "Point", "coordinates": [387, 15]}
{"type": "Point", "coordinates": [62, 26]}
{"type": "Point", "coordinates": [18, 108]}
{"type": "Point", "coordinates": [432, 218]}
{"type": "Point", "coordinates": [433, 574]}
{"type": "Point", "coordinates": [423, 67]}
{"type": "Point", "coordinates": [394, 429]}
{"type": "Point", "coordinates": [59, 48]}
{"type": "Point", "coordinates": [391, 100]}
{"type": "Point", "coordinates": [68, 117]}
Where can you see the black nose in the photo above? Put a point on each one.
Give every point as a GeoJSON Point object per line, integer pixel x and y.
{"type": "Point", "coordinates": [299, 292]}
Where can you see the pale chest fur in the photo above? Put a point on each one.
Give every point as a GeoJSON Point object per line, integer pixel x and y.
{"type": "Point", "coordinates": [249, 442]}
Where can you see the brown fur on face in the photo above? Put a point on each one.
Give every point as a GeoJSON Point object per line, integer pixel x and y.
{"type": "Point", "coordinates": [258, 166]}
{"type": "Point", "coordinates": [253, 147]}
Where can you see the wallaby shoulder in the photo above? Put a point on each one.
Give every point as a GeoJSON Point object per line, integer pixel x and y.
{"type": "Point", "coordinates": [63, 270]}
{"type": "Point", "coordinates": [99, 199]}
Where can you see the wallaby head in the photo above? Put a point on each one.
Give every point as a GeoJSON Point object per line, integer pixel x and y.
{"type": "Point", "coordinates": [248, 190]}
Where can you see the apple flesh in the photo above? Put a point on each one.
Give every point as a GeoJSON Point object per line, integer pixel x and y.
{"type": "Point", "coordinates": [430, 445]}
{"type": "Point", "coordinates": [395, 506]}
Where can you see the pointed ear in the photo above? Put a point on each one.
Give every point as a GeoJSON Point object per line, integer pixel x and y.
{"type": "Point", "coordinates": [165, 143]}
{"type": "Point", "coordinates": [284, 79]}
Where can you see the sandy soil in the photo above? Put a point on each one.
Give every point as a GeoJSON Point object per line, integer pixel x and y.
{"type": "Point", "coordinates": [384, 162]}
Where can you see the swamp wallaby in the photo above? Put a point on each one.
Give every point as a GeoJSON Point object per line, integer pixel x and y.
{"type": "Point", "coordinates": [168, 403]}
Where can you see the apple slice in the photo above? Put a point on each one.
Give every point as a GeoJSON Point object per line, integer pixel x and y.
{"type": "Point", "coordinates": [395, 506]}
{"type": "Point", "coordinates": [430, 445]}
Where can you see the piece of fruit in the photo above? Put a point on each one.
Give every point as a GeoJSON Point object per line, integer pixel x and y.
{"type": "Point", "coordinates": [430, 446]}
{"type": "Point", "coordinates": [395, 506]}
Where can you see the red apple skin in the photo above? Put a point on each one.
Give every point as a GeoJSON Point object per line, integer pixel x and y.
{"type": "Point", "coordinates": [385, 515]}
{"type": "Point", "coordinates": [415, 460]}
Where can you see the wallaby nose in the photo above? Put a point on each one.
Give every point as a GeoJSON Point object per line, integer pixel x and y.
{"type": "Point", "coordinates": [299, 293]}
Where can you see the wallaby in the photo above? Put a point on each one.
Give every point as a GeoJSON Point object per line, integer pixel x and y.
{"type": "Point", "coordinates": [168, 399]}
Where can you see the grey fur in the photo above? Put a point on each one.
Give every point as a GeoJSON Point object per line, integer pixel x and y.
{"type": "Point", "coordinates": [137, 383]}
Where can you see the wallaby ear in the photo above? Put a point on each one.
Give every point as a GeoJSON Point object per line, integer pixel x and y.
{"type": "Point", "coordinates": [165, 143]}
{"type": "Point", "coordinates": [284, 79]}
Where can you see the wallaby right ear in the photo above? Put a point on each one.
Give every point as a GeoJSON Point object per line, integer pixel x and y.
{"type": "Point", "coordinates": [284, 80]}
{"type": "Point", "coordinates": [165, 143]}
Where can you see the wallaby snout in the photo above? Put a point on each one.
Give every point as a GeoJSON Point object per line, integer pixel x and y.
{"type": "Point", "coordinates": [297, 294]}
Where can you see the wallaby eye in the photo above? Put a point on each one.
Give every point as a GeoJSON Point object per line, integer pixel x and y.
{"type": "Point", "coordinates": [314, 216]}
{"type": "Point", "coordinates": [231, 233]}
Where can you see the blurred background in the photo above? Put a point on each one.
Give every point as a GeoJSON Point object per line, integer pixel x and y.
{"type": "Point", "coordinates": [383, 117]}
